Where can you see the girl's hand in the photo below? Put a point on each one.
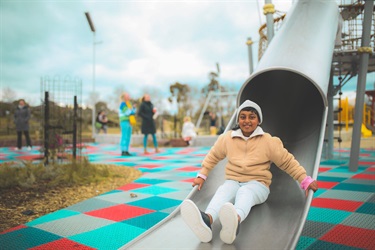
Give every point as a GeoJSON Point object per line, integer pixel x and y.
{"type": "Point", "coordinates": [313, 186]}
{"type": "Point", "coordinates": [198, 181]}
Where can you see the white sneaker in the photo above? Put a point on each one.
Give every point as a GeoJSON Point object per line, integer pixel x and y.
{"type": "Point", "coordinates": [16, 148]}
{"type": "Point", "coordinates": [198, 221]}
{"type": "Point", "coordinates": [29, 148]}
{"type": "Point", "coordinates": [229, 222]}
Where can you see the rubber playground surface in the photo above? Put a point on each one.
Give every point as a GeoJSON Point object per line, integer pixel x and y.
{"type": "Point", "coordinates": [342, 213]}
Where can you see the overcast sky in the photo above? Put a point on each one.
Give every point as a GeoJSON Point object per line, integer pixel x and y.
{"type": "Point", "coordinates": [140, 44]}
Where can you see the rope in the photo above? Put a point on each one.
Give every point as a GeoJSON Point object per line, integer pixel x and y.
{"type": "Point", "coordinates": [364, 50]}
{"type": "Point", "coordinates": [268, 8]}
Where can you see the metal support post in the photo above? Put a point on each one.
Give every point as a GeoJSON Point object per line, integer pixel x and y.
{"type": "Point", "coordinates": [364, 51]}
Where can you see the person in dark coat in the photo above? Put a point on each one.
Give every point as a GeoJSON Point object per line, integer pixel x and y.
{"type": "Point", "coordinates": [21, 120]}
{"type": "Point", "coordinates": [147, 111]}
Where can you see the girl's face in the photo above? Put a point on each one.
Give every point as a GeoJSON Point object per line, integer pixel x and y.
{"type": "Point", "coordinates": [248, 122]}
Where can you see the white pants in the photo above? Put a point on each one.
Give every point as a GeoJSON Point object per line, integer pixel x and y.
{"type": "Point", "coordinates": [244, 194]}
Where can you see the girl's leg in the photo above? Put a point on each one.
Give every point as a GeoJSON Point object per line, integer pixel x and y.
{"type": "Point", "coordinates": [250, 194]}
{"type": "Point", "coordinates": [145, 137]}
{"type": "Point", "coordinates": [128, 136]}
{"type": "Point", "coordinates": [225, 193]}
{"type": "Point", "coordinates": [28, 140]}
{"type": "Point", "coordinates": [155, 143]}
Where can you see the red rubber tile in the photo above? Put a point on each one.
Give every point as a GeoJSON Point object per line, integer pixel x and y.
{"type": "Point", "coordinates": [13, 229]}
{"type": "Point", "coordinates": [327, 184]}
{"type": "Point", "coordinates": [364, 176]}
{"type": "Point", "coordinates": [62, 244]}
{"type": "Point", "coordinates": [351, 236]}
{"type": "Point", "coordinates": [189, 180]}
{"type": "Point", "coordinates": [132, 186]}
{"type": "Point", "coordinates": [366, 163]}
{"type": "Point", "coordinates": [324, 169]}
{"type": "Point", "coordinates": [337, 204]}
{"type": "Point", "coordinates": [189, 169]}
{"type": "Point", "coordinates": [119, 212]}
{"type": "Point", "coordinates": [149, 166]}
{"type": "Point", "coordinates": [371, 169]}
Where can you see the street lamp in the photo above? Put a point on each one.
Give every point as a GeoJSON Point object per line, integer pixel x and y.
{"type": "Point", "coordinates": [93, 71]}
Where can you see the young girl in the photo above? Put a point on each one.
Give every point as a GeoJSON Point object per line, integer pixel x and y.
{"type": "Point", "coordinates": [250, 152]}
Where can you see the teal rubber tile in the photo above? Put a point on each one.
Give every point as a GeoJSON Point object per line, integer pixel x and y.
{"type": "Point", "coordinates": [146, 221]}
{"type": "Point", "coordinates": [64, 213]}
{"type": "Point", "coordinates": [26, 238]}
{"type": "Point", "coordinates": [188, 174]}
{"type": "Point", "coordinates": [153, 190]}
{"type": "Point", "coordinates": [118, 233]}
{"type": "Point", "coordinates": [337, 174]}
{"type": "Point", "coordinates": [150, 181]}
{"type": "Point", "coordinates": [367, 208]}
{"type": "Point", "coordinates": [346, 195]}
{"type": "Point", "coordinates": [74, 225]}
{"type": "Point", "coordinates": [169, 210]}
{"type": "Point", "coordinates": [355, 187]}
{"type": "Point", "coordinates": [156, 203]}
{"type": "Point", "coordinates": [304, 242]}
{"type": "Point", "coordinates": [319, 244]}
{"type": "Point", "coordinates": [319, 192]}
{"type": "Point", "coordinates": [176, 185]}
{"type": "Point", "coordinates": [170, 176]}
{"type": "Point", "coordinates": [332, 162]}
{"type": "Point", "coordinates": [360, 220]}
{"type": "Point", "coordinates": [327, 215]}
{"type": "Point", "coordinates": [90, 204]}
{"type": "Point", "coordinates": [331, 178]}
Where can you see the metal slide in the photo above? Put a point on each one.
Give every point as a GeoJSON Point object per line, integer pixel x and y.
{"type": "Point", "coordinates": [290, 84]}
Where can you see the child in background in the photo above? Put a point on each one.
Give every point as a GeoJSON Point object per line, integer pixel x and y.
{"type": "Point", "coordinates": [188, 131]}
{"type": "Point", "coordinates": [250, 152]}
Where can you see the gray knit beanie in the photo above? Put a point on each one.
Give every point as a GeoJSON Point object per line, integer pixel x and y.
{"type": "Point", "coordinates": [251, 104]}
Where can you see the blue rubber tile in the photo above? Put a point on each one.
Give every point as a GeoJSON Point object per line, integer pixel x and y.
{"type": "Point", "coordinates": [355, 187]}
{"type": "Point", "coordinates": [64, 213]}
{"type": "Point", "coordinates": [180, 185]}
{"type": "Point", "coordinates": [74, 225]}
{"type": "Point", "coordinates": [154, 190]}
{"type": "Point", "coordinates": [188, 174]}
{"type": "Point", "coordinates": [26, 238]}
{"type": "Point", "coordinates": [360, 220]}
{"type": "Point", "coordinates": [90, 204]}
{"type": "Point", "coordinates": [109, 237]}
{"type": "Point", "coordinates": [156, 203]}
{"type": "Point", "coordinates": [367, 208]}
{"type": "Point", "coordinates": [146, 221]}
{"type": "Point", "coordinates": [304, 242]}
{"type": "Point", "coordinates": [328, 245]}
{"type": "Point", "coordinates": [327, 215]}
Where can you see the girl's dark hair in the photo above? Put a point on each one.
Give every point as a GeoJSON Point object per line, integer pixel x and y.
{"type": "Point", "coordinates": [251, 109]}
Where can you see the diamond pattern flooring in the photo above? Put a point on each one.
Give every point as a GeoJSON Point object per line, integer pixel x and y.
{"type": "Point", "coordinates": [342, 213]}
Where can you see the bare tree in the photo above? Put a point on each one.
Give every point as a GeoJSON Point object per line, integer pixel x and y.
{"type": "Point", "coordinates": [8, 95]}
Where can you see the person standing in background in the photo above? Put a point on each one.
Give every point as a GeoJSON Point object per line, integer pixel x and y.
{"type": "Point", "coordinates": [147, 112]}
{"type": "Point", "coordinates": [21, 120]}
{"type": "Point", "coordinates": [127, 120]}
{"type": "Point", "coordinates": [188, 131]}
{"type": "Point", "coordinates": [101, 122]}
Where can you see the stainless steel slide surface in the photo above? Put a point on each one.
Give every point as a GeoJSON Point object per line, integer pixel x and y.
{"type": "Point", "coordinates": [290, 85]}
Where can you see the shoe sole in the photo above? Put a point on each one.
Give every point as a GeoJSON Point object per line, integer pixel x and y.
{"type": "Point", "coordinates": [229, 222]}
{"type": "Point", "coordinates": [192, 217]}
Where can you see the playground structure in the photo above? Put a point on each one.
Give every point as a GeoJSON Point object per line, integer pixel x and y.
{"type": "Point", "coordinates": [293, 85]}
{"type": "Point", "coordinates": [61, 123]}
